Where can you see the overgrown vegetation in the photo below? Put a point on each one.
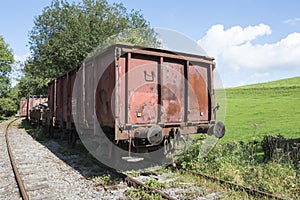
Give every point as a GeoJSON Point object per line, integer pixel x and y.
{"type": "Point", "coordinates": [35, 131]}
{"type": "Point", "coordinates": [251, 153]}
{"type": "Point", "coordinates": [153, 183]}
{"type": "Point", "coordinates": [243, 164]}
{"type": "Point", "coordinates": [7, 107]}
{"type": "Point", "coordinates": [141, 193]}
{"type": "Point", "coordinates": [106, 180]}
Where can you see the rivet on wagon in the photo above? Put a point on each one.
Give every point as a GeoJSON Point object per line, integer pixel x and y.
{"type": "Point", "coordinates": [201, 113]}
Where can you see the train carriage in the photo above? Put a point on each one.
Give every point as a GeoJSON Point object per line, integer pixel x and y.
{"type": "Point", "coordinates": [141, 98]}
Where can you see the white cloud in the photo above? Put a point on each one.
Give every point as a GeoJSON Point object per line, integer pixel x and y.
{"type": "Point", "coordinates": [293, 21]}
{"type": "Point", "coordinates": [283, 54]}
{"type": "Point", "coordinates": [242, 60]}
{"type": "Point", "coordinates": [218, 40]}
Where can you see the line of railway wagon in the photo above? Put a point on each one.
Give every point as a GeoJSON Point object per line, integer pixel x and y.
{"type": "Point", "coordinates": [141, 99]}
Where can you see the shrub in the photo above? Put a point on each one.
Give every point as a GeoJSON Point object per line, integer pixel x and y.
{"type": "Point", "coordinates": [7, 107]}
{"type": "Point", "coordinates": [243, 164]}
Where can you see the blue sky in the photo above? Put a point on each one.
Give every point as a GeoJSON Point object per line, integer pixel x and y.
{"type": "Point", "coordinates": [252, 40]}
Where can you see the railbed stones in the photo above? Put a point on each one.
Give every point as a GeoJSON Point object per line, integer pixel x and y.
{"type": "Point", "coordinates": [45, 175]}
{"type": "Point", "coordinates": [8, 184]}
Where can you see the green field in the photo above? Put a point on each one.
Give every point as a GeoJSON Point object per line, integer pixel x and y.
{"type": "Point", "coordinates": [257, 110]}
{"type": "Point", "coordinates": [252, 112]}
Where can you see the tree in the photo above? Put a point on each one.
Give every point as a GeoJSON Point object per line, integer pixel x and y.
{"type": "Point", "coordinates": [7, 107]}
{"type": "Point", "coordinates": [6, 61]}
{"type": "Point", "coordinates": [64, 34]}
{"type": "Point", "coordinates": [7, 104]}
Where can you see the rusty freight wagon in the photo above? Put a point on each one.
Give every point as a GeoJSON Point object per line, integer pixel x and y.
{"type": "Point", "coordinates": [141, 98]}
{"type": "Point", "coordinates": [27, 104]}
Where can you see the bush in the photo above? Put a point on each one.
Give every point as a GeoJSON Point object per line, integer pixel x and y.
{"type": "Point", "coordinates": [277, 147]}
{"type": "Point", "coordinates": [243, 164]}
{"type": "Point", "coordinates": [7, 107]}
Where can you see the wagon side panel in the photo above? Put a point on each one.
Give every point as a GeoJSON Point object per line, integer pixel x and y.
{"type": "Point", "coordinates": [105, 79]}
{"type": "Point", "coordinates": [64, 96]}
{"type": "Point", "coordinates": [58, 102]}
{"type": "Point", "coordinates": [23, 107]}
{"type": "Point", "coordinates": [198, 93]}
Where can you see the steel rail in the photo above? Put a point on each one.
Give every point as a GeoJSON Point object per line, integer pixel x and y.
{"type": "Point", "coordinates": [250, 191]}
{"type": "Point", "coordinates": [135, 183]}
{"type": "Point", "coordinates": [130, 181]}
{"type": "Point", "coordinates": [20, 183]}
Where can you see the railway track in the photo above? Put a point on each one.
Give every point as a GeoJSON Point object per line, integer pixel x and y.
{"type": "Point", "coordinates": [251, 191]}
{"type": "Point", "coordinates": [133, 182]}
{"type": "Point", "coordinates": [39, 184]}
{"type": "Point", "coordinates": [42, 174]}
{"type": "Point", "coordinates": [140, 182]}
{"type": "Point", "coordinates": [46, 177]}
{"type": "Point", "coordinates": [8, 185]}
{"type": "Point", "coordinates": [22, 191]}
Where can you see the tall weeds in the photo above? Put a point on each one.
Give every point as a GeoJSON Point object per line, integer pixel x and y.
{"type": "Point", "coordinates": [244, 164]}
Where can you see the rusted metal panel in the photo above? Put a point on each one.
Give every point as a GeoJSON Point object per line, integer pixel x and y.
{"type": "Point", "coordinates": [168, 54]}
{"type": "Point", "coordinates": [64, 97]}
{"type": "Point", "coordinates": [104, 93]}
{"type": "Point", "coordinates": [104, 80]}
{"type": "Point", "coordinates": [58, 103]}
{"type": "Point", "coordinates": [60, 93]}
{"type": "Point", "coordinates": [50, 113]}
{"type": "Point", "coordinates": [172, 95]}
{"type": "Point", "coordinates": [23, 107]}
{"type": "Point", "coordinates": [210, 83]}
{"type": "Point", "coordinates": [198, 95]}
{"type": "Point", "coordinates": [141, 90]}
{"type": "Point", "coordinates": [71, 81]}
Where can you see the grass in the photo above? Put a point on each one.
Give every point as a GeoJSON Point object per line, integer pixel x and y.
{"type": "Point", "coordinates": [35, 131]}
{"type": "Point", "coordinates": [283, 83]}
{"type": "Point", "coordinates": [141, 193]}
{"type": "Point", "coordinates": [253, 112]}
{"type": "Point", "coordinates": [238, 163]}
{"type": "Point", "coordinates": [263, 109]}
{"type": "Point", "coordinates": [106, 180]}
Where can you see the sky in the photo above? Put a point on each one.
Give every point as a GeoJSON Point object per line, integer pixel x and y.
{"type": "Point", "coordinates": [252, 40]}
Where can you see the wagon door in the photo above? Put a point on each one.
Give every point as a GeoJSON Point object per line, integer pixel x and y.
{"type": "Point", "coordinates": [139, 92]}
{"type": "Point", "coordinates": [198, 92]}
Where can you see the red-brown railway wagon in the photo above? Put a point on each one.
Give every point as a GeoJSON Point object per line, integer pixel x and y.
{"type": "Point", "coordinates": [144, 96]}
{"type": "Point", "coordinates": [27, 104]}
{"type": "Point", "coordinates": [60, 101]}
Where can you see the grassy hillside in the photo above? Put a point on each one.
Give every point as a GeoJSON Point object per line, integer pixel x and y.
{"type": "Point", "coordinates": [283, 83]}
{"type": "Point", "coordinates": [263, 109]}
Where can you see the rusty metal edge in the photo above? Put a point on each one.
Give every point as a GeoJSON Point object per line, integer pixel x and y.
{"type": "Point", "coordinates": [13, 164]}
{"type": "Point", "coordinates": [135, 183]}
